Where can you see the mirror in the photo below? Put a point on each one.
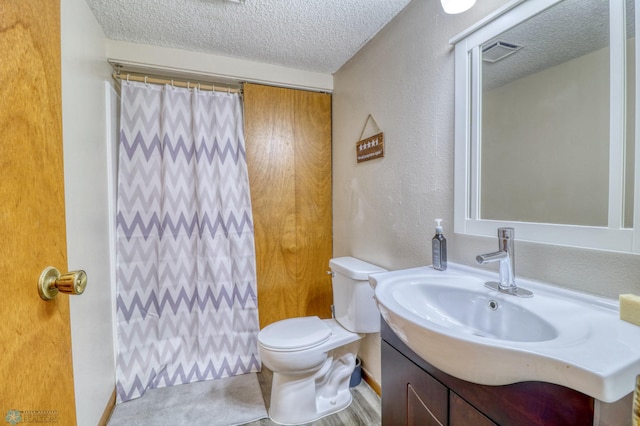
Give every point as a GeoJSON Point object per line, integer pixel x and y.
{"type": "Point", "coordinates": [545, 123]}
{"type": "Point", "coordinates": [545, 118]}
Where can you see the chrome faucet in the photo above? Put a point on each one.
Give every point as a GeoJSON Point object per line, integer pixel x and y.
{"type": "Point", "coordinates": [506, 256]}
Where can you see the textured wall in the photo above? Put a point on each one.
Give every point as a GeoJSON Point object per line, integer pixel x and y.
{"type": "Point", "coordinates": [384, 209]}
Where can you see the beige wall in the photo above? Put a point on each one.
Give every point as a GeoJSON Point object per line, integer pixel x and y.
{"type": "Point", "coordinates": [218, 67]}
{"type": "Point", "coordinates": [84, 71]}
{"type": "Point", "coordinates": [384, 209]}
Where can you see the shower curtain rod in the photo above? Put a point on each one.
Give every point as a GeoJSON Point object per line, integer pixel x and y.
{"type": "Point", "coordinates": [176, 82]}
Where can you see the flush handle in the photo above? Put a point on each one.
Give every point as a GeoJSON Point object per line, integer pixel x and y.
{"type": "Point", "coordinates": [51, 282]}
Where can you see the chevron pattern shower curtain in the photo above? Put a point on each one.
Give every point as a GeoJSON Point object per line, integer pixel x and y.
{"type": "Point", "coordinates": [186, 286]}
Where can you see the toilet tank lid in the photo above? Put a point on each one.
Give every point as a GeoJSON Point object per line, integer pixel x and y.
{"type": "Point", "coordinates": [354, 268]}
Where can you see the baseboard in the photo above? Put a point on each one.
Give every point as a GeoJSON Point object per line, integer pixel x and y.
{"type": "Point", "coordinates": [371, 382]}
{"type": "Point", "coordinates": [108, 410]}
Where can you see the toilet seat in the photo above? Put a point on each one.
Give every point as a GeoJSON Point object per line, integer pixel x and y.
{"type": "Point", "coordinates": [294, 334]}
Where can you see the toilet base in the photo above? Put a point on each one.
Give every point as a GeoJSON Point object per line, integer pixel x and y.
{"type": "Point", "coordinates": [305, 398]}
{"type": "Point", "coordinates": [325, 407]}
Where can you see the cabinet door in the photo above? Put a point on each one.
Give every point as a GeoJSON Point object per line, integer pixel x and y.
{"type": "Point", "coordinates": [461, 413]}
{"type": "Point", "coordinates": [410, 396]}
{"type": "Point", "coordinates": [421, 412]}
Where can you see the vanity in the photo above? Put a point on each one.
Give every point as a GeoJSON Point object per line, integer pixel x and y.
{"type": "Point", "coordinates": [414, 392]}
{"type": "Point", "coordinates": [455, 352]}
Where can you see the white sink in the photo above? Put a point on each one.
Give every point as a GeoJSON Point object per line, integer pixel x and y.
{"type": "Point", "coordinates": [476, 334]}
{"type": "Point", "coordinates": [471, 310]}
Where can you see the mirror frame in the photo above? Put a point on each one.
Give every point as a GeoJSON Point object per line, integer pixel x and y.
{"type": "Point", "coordinates": [468, 66]}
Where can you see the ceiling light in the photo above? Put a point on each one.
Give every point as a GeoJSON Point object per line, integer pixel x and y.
{"type": "Point", "coordinates": [456, 6]}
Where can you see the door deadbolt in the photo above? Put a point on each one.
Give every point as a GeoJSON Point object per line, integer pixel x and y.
{"type": "Point", "coordinates": [51, 282]}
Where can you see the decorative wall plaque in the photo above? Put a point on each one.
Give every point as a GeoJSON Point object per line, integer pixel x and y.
{"type": "Point", "coordinates": [371, 147]}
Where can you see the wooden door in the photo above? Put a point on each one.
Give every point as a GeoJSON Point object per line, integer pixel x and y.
{"type": "Point", "coordinates": [288, 140]}
{"type": "Point", "coordinates": [36, 380]}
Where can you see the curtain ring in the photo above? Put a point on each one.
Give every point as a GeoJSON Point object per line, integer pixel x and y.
{"type": "Point", "coordinates": [198, 87]}
{"type": "Point", "coordinates": [188, 83]}
{"type": "Point", "coordinates": [145, 80]}
{"type": "Point", "coordinates": [127, 78]}
{"type": "Point", "coordinates": [172, 84]}
{"type": "Point", "coordinates": [213, 87]}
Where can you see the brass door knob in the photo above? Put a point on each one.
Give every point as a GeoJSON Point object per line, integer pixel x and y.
{"type": "Point", "coordinates": [51, 282]}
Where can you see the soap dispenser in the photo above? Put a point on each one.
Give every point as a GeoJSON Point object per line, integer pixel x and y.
{"type": "Point", "coordinates": [439, 248]}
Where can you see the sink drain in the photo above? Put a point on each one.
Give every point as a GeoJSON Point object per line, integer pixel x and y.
{"type": "Point", "coordinates": [493, 305]}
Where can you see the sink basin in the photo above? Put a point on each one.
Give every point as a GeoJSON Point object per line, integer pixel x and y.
{"type": "Point", "coordinates": [472, 312]}
{"type": "Point", "coordinates": [483, 336]}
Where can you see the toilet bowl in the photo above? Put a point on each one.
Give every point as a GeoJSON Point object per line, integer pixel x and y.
{"type": "Point", "coordinates": [311, 358]}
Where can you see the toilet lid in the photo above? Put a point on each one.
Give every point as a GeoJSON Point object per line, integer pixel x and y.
{"type": "Point", "coordinates": [294, 334]}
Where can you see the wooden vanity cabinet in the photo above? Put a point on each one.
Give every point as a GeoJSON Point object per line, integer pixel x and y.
{"type": "Point", "coordinates": [422, 402]}
{"type": "Point", "coordinates": [416, 393]}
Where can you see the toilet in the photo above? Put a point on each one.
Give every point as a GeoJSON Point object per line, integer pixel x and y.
{"type": "Point", "coordinates": [311, 358]}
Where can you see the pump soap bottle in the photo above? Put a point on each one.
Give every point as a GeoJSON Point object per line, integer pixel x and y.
{"type": "Point", "coordinates": [439, 248]}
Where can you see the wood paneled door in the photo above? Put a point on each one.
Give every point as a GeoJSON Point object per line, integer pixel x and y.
{"type": "Point", "coordinates": [36, 380]}
{"type": "Point", "coordinates": [288, 140]}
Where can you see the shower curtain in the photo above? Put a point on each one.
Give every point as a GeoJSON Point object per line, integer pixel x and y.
{"type": "Point", "coordinates": [186, 282]}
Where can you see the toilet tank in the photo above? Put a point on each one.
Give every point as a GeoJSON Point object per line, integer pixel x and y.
{"type": "Point", "coordinates": [353, 304]}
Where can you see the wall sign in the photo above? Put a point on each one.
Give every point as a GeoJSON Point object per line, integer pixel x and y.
{"type": "Point", "coordinates": [371, 147]}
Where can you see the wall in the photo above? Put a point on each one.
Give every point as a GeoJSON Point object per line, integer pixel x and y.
{"type": "Point", "coordinates": [220, 67]}
{"type": "Point", "coordinates": [384, 209]}
{"type": "Point", "coordinates": [84, 70]}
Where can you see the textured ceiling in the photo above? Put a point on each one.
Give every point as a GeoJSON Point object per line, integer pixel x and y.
{"type": "Point", "coordinates": [313, 35]}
